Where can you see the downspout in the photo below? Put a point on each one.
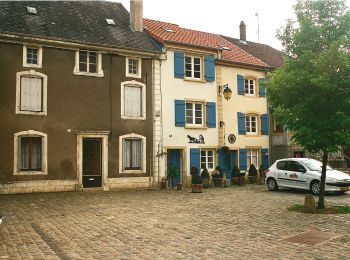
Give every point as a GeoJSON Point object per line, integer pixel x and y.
{"type": "Point", "coordinates": [270, 123]}
{"type": "Point", "coordinates": [160, 144]}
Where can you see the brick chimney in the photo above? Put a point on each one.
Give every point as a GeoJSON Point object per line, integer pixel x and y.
{"type": "Point", "coordinates": [242, 31]}
{"type": "Point", "coordinates": [136, 15]}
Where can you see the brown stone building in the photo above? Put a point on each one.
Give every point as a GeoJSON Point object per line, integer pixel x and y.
{"type": "Point", "coordinates": [76, 82]}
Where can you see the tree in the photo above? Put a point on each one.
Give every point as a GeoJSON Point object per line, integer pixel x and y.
{"type": "Point", "coordinates": [311, 93]}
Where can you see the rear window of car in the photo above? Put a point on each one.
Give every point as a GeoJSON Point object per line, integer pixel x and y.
{"type": "Point", "coordinates": [282, 165]}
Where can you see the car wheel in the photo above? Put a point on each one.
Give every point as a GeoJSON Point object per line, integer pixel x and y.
{"type": "Point", "coordinates": [315, 188]}
{"type": "Point", "coordinates": [271, 184]}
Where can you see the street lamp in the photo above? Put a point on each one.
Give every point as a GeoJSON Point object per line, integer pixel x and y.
{"type": "Point", "coordinates": [224, 89]}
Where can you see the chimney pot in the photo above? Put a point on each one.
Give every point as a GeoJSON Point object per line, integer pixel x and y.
{"type": "Point", "coordinates": [136, 15]}
{"type": "Point", "coordinates": [242, 31]}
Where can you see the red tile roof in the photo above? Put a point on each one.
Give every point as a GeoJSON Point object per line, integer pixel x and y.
{"type": "Point", "coordinates": [172, 33]}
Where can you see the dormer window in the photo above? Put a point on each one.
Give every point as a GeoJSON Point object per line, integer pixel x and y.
{"type": "Point", "coordinates": [31, 10]}
{"type": "Point", "coordinates": [32, 56]}
{"type": "Point", "coordinates": [133, 67]}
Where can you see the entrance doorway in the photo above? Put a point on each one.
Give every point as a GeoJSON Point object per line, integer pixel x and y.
{"type": "Point", "coordinates": [174, 167]}
{"type": "Point", "coordinates": [92, 162]}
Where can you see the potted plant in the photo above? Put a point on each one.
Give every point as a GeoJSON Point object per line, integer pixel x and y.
{"type": "Point", "coordinates": [217, 176]}
{"type": "Point", "coordinates": [174, 175]}
{"type": "Point", "coordinates": [205, 178]}
{"type": "Point", "coordinates": [235, 175]}
{"type": "Point", "coordinates": [163, 184]}
{"type": "Point", "coordinates": [241, 178]}
{"type": "Point", "coordinates": [197, 183]}
{"type": "Point", "coordinates": [252, 174]}
{"type": "Point", "coordinates": [262, 174]}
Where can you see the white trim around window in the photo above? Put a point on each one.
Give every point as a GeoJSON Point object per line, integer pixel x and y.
{"type": "Point", "coordinates": [41, 107]}
{"type": "Point", "coordinates": [193, 67]}
{"type": "Point", "coordinates": [249, 87]}
{"type": "Point", "coordinates": [122, 155]}
{"type": "Point", "coordinates": [253, 157]}
{"type": "Point", "coordinates": [194, 113]}
{"type": "Point", "coordinates": [133, 67]}
{"type": "Point", "coordinates": [208, 159]}
{"type": "Point", "coordinates": [86, 72]}
{"type": "Point", "coordinates": [32, 56]}
{"type": "Point", "coordinates": [18, 153]}
{"type": "Point", "coordinates": [251, 122]}
{"type": "Point", "coordinates": [133, 107]}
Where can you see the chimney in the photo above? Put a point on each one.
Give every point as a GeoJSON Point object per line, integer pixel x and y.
{"type": "Point", "coordinates": [242, 31]}
{"type": "Point", "coordinates": [136, 15]}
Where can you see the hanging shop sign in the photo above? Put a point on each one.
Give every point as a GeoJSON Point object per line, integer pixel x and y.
{"type": "Point", "coordinates": [194, 140]}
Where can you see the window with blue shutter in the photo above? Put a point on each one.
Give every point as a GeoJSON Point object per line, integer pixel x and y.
{"type": "Point", "coordinates": [241, 123]}
{"type": "Point", "coordinates": [264, 124]}
{"type": "Point", "coordinates": [179, 64]}
{"type": "Point", "coordinates": [209, 62]}
{"type": "Point", "coordinates": [180, 113]}
{"type": "Point", "coordinates": [211, 114]}
{"type": "Point", "coordinates": [265, 157]}
{"type": "Point", "coordinates": [243, 159]}
{"type": "Point", "coordinates": [240, 85]}
{"type": "Point", "coordinates": [195, 159]}
{"type": "Point", "coordinates": [262, 84]}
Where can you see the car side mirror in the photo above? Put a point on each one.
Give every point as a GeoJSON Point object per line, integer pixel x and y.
{"type": "Point", "coordinates": [302, 170]}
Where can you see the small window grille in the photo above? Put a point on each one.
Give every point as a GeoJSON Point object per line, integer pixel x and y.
{"type": "Point", "coordinates": [31, 10]}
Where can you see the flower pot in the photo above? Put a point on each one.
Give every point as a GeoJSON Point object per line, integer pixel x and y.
{"type": "Point", "coordinates": [241, 181]}
{"type": "Point", "coordinates": [235, 180]}
{"type": "Point", "coordinates": [179, 186]}
{"type": "Point", "coordinates": [227, 183]}
{"type": "Point", "coordinates": [217, 182]}
{"type": "Point", "coordinates": [205, 183]}
{"type": "Point", "coordinates": [163, 184]}
{"type": "Point", "coordinates": [197, 188]}
{"type": "Point", "coordinates": [252, 179]}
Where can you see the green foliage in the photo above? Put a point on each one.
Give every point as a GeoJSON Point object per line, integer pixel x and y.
{"type": "Point", "coordinates": [311, 94]}
{"type": "Point", "coordinates": [235, 171]}
{"type": "Point", "coordinates": [219, 169]}
{"type": "Point", "coordinates": [262, 169]}
{"type": "Point", "coordinates": [196, 179]}
{"type": "Point", "coordinates": [194, 171]}
{"type": "Point", "coordinates": [174, 172]}
{"type": "Point", "coordinates": [205, 174]}
{"type": "Point", "coordinates": [252, 171]}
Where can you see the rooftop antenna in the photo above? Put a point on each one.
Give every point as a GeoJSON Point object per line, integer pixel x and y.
{"type": "Point", "coordinates": [258, 31]}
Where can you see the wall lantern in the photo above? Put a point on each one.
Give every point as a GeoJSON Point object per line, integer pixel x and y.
{"type": "Point", "coordinates": [226, 91]}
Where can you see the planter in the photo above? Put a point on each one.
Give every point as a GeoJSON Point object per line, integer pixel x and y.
{"type": "Point", "coordinates": [206, 183]}
{"type": "Point", "coordinates": [227, 183]}
{"type": "Point", "coordinates": [241, 181]}
{"type": "Point", "coordinates": [179, 186]}
{"type": "Point", "coordinates": [235, 180]}
{"type": "Point", "coordinates": [197, 188]}
{"type": "Point", "coordinates": [217, 182]}
{"type": "Point", "coordinates": [252, 179]}
{"type": "Point", "coordinates": [163, 184]}
{"type": "Point", "coordinates": [262, 180]}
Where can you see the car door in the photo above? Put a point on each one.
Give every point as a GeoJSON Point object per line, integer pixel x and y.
{"type": "Point", "coordinates": [297, 175]}
{"type": "Point", "coordinates": [282, 173]}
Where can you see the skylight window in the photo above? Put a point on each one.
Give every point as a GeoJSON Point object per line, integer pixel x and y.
{"type": "Point", "coordinates": [225, 48]}
{"type": "Point", "coordinates": [31, 10]}
{"type": "Point", "coordinates": [110, 21]}
{"type": "Point", "coordinates": [169, 30]}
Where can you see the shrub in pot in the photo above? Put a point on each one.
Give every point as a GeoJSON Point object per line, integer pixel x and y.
{"type": "Point", "coordinates": [197, 183]}
{"type": "Point", "coordinates": [174, 175]}
{"type": "Point", "coordinates": [218, 176]}
{"type": "Point", "coordinates": [262, 174]}
{"type": "Point", "coordinates": [252, 174]}
{"type": "Point", "coordinates": [205, 178]}
{"type": "Point", "coordinates": [235, 174]}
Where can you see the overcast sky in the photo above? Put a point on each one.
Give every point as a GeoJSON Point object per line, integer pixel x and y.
{"type": "Point", "coordinates": [223, 16]}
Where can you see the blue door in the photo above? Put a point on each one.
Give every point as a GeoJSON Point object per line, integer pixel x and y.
{"type": "Point", "coordinates": [174, 167]}
{"type": "Point", "coordinates": [233, 160]}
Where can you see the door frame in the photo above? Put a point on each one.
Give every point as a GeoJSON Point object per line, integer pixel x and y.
{"type": "Point", "coordinates": [183, 162]}
{"type": "Point", "coordinates": [103, 135]}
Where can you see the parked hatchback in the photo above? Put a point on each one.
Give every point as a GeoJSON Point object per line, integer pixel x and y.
{"type": "Point", "coordinates": [304, 173]}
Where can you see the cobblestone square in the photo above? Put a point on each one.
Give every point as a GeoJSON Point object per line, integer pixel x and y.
{"type": "Point", "coordinates": [221, 223]}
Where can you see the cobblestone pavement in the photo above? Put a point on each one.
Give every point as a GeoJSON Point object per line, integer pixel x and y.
{"type": "Point", "coordinates": [222, 223]}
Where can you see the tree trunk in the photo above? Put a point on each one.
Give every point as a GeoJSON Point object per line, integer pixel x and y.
{"type": "Point", "coordinates": [323, 181]}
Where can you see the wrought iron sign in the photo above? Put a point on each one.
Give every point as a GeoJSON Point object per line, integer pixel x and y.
{"type": "Point", "coordinates": [194, 140]}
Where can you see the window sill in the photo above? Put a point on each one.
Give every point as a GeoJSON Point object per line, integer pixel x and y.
{"type": "Point", "coordinates": [19, 112]}
{"type": "Point", "coordinates": [195, 127]}
{"type": "Point", "coordinates": [195, 80]}
{"type": "Point", "coordinates": [99, 74]}
{"type": "Point", "coordinates": [143, 118]}
{"type": "Point", "coordinates": [137, 76]}
{"type": "Point", "coordinates": [27, 65]}
{"type": "Point", "coordinates": [132, 172]}
{"type": "Point", "coordinates": [23, 173]}
{"type": "Point", "coordinates": [253, 135]}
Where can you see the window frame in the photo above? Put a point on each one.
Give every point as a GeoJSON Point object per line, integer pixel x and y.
{"type": "Point", "coordinates": [250, 124]}
{"type": "Point", "coordinates": [249, 80]}
{"type": "Point", "coordinates": [192, 67]}
{"type": "Point", "coordinates": [30, 133]}
{"type": "Point", "coordinates": [250, 156]}
{"type": "Point", "coordinates": [193, 124]}
{"type": "Point", "coordinates": [40, 56]}
{"type": "Point", "coordinates": [143, 99]}
{"type": "Point", "coordinates": [99, 71]}
{"type": "Point", "coordinates": [31, 74]}
{"type": "Point", "coordinates": [206, 156]}
{"type": "Point", "coordinates": [139, 67]}
{"type": "Point", "coordinates": [143, 153]}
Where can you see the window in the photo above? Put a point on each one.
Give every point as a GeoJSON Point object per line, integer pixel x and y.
{"type": "Point", "coordinates": [133, 67]}
{"type": "Point", "coordinates": [30, 153]}
{"type": "Point", "coordinates": [88, 63]}
{"type": "Point", "coordinates": [31, 89]}
{"type": "Point", "coordinates": [194, 113]}
{"type": "Point", "coordinates": [133, 100]}
{"type": "Point", "coordinates": [249, 87]}
{"type": "Point", "coordinates": [32, 56]}
{"type": "Point", "coordinates": [252, 158]}
{"type": "Point", "coordinates": [207, 159]}
{"type": "Point", "coordinates": [193, 67]}
{"type": "Point", "coordinates": [251, 124]}
{"type": "Point", "coordinates": [132, 153]}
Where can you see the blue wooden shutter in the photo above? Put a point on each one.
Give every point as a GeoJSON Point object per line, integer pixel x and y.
{"type": "Point", "coordinates": [195, 159]}
{"type": "Point", "coordinates": [211, 114]}
{"type": "Point", "coordinates": [265, 157]}
{"type": "Point", "coordinates": [241, 123]}
{"type": "Point", "coordinates": [240, 85]}
{"type": "Point", "coordinates": [180, 113]}
{"type": "Point", "coordinates": [221, 159]}
{"type": "Point", "coordinates": [179, 64]}
{"type": "Point", "coordinates": [209, 62]}
{"type": "Point", "coordinates": [262, 87]}
{"type": "Point", "coordinates": [264, 124]}
{"type": "Point", "coordinates": [243, 159]}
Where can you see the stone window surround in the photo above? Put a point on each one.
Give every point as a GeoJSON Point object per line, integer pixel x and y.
{"type": "Point", "coordinates": [40, 56]}
{"type": "Point", "coordinates": [143, 100]}
{"type": "Point", "coordinates": [139, 67]}
{"type": "Point", "coordinates": [99, 72]}
{"type": "Point", "coordinates": [144, 157]}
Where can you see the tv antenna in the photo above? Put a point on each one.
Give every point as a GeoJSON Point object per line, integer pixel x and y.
{"type": "Point", "coordinates": [258, 31]}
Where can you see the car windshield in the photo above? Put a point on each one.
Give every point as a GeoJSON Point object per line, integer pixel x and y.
{"type": "Point", "coordinates": [314, 165]}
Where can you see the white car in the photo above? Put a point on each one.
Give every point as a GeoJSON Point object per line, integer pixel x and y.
{"type": "Point", "coordinates": [304, 173]}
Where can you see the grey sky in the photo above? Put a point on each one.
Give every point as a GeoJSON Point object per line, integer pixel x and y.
{"type": "Point", "coordinates": [224, 16]}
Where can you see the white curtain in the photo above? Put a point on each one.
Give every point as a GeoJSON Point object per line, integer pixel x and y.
{"type": "Point", "coordinates": [36, 153]}
{"type": "Point", "coordinates": [132, 101]}
{"type": "Point", "coordinates": [30, 153]}
{"type": "Point", "coordinates": [132, 153]}
{"type": "Point", "coordinates": [31, 94]}
{"type": "Point", "coordinates": [126, 154]}
{"type": "Point", "coordinates": [24, 153]}
{"type": "Point", "coordinates": [136, 155]}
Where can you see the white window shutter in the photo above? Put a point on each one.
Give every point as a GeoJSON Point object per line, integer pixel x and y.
{"type": "Point", "coordinates": [31, 94]}
{"type": "Point", "coordinates": [132, 101]}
